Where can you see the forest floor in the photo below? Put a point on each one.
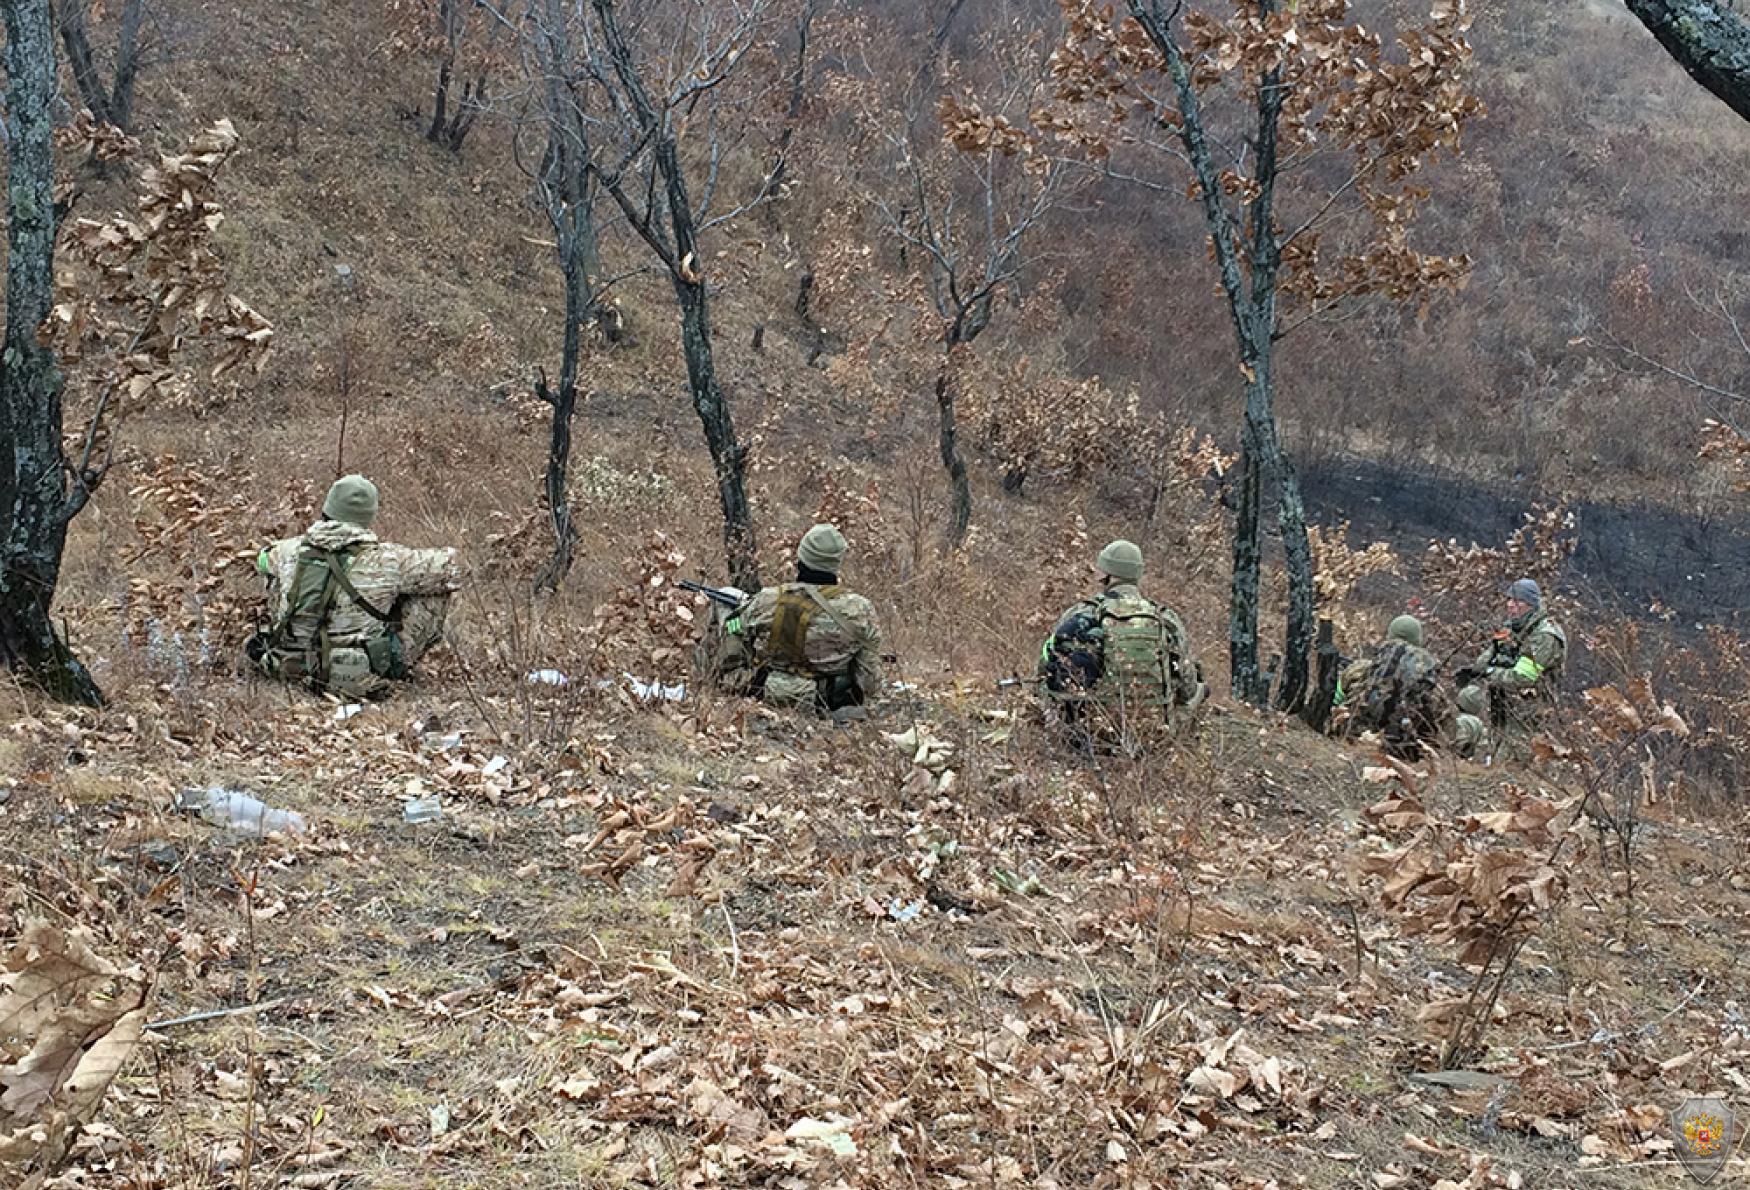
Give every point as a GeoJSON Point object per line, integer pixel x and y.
{"type": "Point", "coordinates": [703, 944]}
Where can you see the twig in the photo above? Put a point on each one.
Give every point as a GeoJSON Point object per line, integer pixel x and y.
{"type": "Point", "coordinates": [1605, 1038]}
{"type": "Point", "coordinates": [734, 943]}
{"type": "Point", "coordinates": [215, 1013]}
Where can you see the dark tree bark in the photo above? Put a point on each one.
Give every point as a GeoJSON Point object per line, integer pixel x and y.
{"type": "Point", "coordinates": [665, 218]}
{"type": "Point", "coordinates": [114, 103]}
{"type": "Point", "coordinates": [948, 432]}
{"type": "Point", "coordinates": [36, 500]}
{"type": "Point", "coordinates": [1708, 39]}
{"type": "Point", "coordinates": [1250, 289]}
{"type": "Point", "coordinates": [566, 190]}
{"type": "Point", "coordinates": [449, 129]}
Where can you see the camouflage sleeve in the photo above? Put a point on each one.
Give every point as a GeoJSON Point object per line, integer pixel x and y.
{"type": "Point", "coordinates": [868, 661]}
{"type": "Point", "coordinates": [425, 572]}
{"type": "Point", "coordinates": [1540, 651]}
{"type": "Point", "coordinates": [1185, 679]}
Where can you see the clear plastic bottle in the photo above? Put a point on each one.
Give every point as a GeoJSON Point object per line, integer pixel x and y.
{"type": "Point", "coordinates": [236, 810]}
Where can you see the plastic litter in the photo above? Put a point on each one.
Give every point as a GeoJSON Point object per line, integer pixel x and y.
{"type": "Point", "coordinates": [494, 766]}
{"type": "Point", "coordinates": [342, 714]}
{"type": "Point", "coordinates": [236, 810]}
{"type": "Point", "coordinates": [423, 809]}
{"type": "Point", "coordinates": [901, 912]}
{"type": "Point", "coordinates": [654, 691]}
{"type": "Point", "coordinates": [547, 677]}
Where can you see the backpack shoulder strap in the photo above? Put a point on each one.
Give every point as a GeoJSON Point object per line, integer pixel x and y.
{"type": "Point", "coordinates": [338, 564]}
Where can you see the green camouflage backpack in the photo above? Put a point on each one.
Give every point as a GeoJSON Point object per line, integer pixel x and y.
{"type": "Point", "coordinates": [320, 576]}
{"type": "Point", "coordinates": [1139, 652]}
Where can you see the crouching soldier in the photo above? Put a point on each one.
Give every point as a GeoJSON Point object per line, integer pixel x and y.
{"type": "Point", "coordinates": [1521, 671]}
{"type": "Point", "coordinates": [812, 643]}
{"type": "Point", "coordinates": [1395, 692]}
{"type": "Point", "coordinates": [1119, 664]}
{"type": "Point", "coordinates": [350, 614]}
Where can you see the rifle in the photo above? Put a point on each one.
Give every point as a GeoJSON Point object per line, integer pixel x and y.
{"type": "Point", "coordinates": [727, 596]}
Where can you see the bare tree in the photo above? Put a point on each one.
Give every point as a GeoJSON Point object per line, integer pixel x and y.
{"type": "Point", "coordinates": [1261, 109]}
{"type": "Point", "coordinates": [566, 192]}
{"type": "Point", "coordinates": [466, 39]}
{"type": "Point", "coordinates": [38, 493]}
{"type": "Point", "coordinates": [962, 194]}
{"type": "Point", "coordinates": [111, 103]}
{"type": "Point", "coordinates": [1709, 39]}
{"type": "Point", "coordinates": [670, 121]}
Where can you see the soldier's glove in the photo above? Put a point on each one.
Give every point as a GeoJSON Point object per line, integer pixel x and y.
{"type": "Point", "coordinates": [1467, 675]}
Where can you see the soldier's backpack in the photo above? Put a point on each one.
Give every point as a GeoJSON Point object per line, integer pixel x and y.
{"type": "Point", "coordinates": [1139, 656]}
{"type": "Point", "coordinates": [318, 579]}
{"type": "Point", "coordinates": [1401, 681]}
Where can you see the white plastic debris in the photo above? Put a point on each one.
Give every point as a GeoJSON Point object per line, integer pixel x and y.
{"type": "Point", "coordinates": [236, 810]}
{"type": "Point", "coordinates": [496, 765]}
{"type": "Point", "coordinates": [547, 677]}
{"type": "Point", "coordinates": [342, 714]}
{"type": "Point", "coordinates": [901, 912]}
{"type": "Point", "coordinates": [423, 809]}
{"type": "Point", "coordinates": [655, 691]}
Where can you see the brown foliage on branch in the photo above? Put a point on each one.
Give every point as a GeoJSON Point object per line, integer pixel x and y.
{"type": "Point", "coordinates": [132, 290]}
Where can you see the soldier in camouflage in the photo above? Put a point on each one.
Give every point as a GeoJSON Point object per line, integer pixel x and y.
{"type": "Point", "coordinates": [1521, 670]}
{"type": "Point", "coordinates": [1395, 692]}
{"type": "Point", "coordinates": [351, 614]}
{"type": "Point", "coordinates": [812, 643]}
{"type": "Point", "coordinates": [1117, 661]}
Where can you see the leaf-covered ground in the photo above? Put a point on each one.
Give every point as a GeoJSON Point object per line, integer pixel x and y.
{"type": "Point", "coordinates": [709, 946]}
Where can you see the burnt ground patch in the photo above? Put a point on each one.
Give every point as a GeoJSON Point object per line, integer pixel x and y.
{"type": "Point", "coordinates": [1629, 555]}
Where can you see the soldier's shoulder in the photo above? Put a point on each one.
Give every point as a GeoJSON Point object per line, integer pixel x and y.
{"type": "Point", "coordinates": [851, 603]}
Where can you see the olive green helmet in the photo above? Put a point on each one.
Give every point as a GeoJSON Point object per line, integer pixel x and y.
{"type": "Point", "coordinates": [1121, 560]}
{"type": "Point", "coordinates": [1407, 629]}
{"type": "Point", "coordinates": [1472, 701]}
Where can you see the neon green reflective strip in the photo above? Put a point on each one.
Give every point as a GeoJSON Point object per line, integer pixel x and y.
{"type": "Point", "coordinates": [1337, 699]}
{"type": "Point", "coordinates": [733, 626]}
{"type": "Point", "coordinates": [261, 562]}
{"type": "Point", "coordinates": [1528, 669]}
{"type": "Point", "coordinates": [1045, 649]}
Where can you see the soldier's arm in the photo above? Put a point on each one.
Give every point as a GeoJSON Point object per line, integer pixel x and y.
{"type": "Point", "coordinates": [868, 662]}
{"type": "Point", "coordinates": [425, 572]}
{"type": "Point", "coordinates": [1540, 652]}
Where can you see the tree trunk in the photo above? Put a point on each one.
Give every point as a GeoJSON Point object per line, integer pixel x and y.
{"type": "Point", "coordinates": [948, 430]}
{"type": "Point", "coordinates": [76, 39]}
{"type": "Point", "coordinates": [440, 103]}
{"type": "Point", "coordinates": [127, 64]}
{"type": "Point", "coordinates": [564, 403]}
{"type": "Point", "coordinates": [1708, 39]}
{"type": "Point", "coordinates": [1297, 557]}
{"type": "Point", "coordinates": [33, 473]}
{"type": "Point", "coordinates": [1247, 681]}
{"type": "Point", "coordinates": [728, 456]}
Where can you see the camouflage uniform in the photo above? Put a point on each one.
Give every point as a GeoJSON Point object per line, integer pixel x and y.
{"type": "Point", "coordinates": [1119, 656]}
{"type": "Point", "coordinates": [1396, 692]}
{"type": "Point", "coordinates": [807, 645]}
{"type": "Point", "coordinates": [811, 643]}
{"type": "Point", "coordinates": [1522, 669]}
{"type": "Point", "coordinates": [325, 633]}
{"type": "Point", "coordinates": [1470, 734]}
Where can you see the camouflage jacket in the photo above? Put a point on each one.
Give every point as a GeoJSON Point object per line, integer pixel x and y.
{"type": "Point", "coordinates": [1470, 738]}
{"type": "Point", "coordinates": [1397, 691]}
{"type": "Point", "coordinates": [799, 633]}
{"type": "Point", "coordinates": [381, 573]}
{"type": "Point", "coordinates": [1144, 652]}
{"type": "Point", "coordinates": [1530, 658]}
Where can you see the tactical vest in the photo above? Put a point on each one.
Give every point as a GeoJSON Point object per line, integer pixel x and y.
{"type": "Point", "coordinates": [785, 647]}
